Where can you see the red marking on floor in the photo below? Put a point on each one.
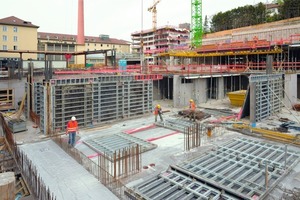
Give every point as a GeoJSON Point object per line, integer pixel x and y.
{"type": "Point", "coordinates": [131, 131]}
{"type": "Point", "coordinates": [157, 138]}
{"type": "Point", "coordinates": [79, 142]}
{"type": "Point", "coordinates": [93, 155]}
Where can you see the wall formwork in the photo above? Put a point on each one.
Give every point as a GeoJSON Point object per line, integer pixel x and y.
{"type": "Point", "coordinates": [92, 100]}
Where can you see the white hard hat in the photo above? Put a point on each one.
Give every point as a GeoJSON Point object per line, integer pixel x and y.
{"type": "Point", "coordinates": [73, 118]}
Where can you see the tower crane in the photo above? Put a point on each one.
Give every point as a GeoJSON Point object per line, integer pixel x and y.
{"type": "Point", "coordinates": [154, 13]}
{"type": "Point", "coordinates": [196, 23]}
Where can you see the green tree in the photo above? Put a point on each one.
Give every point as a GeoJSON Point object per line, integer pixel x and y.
{"type": "Point", "coordinates": [205, 25]}
{"type": "Point", "coordinates": [290, 9]}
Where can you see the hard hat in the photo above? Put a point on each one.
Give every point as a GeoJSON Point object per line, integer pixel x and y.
{"type": "Point", "coordinates": [158, 105]}
{"type": "Point", "coordinates": [191, 100]}
{"type": "Point", "coordinates": [73, 118]}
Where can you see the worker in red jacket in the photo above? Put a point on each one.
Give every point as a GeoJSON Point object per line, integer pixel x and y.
{"type": "Point", "coordinates": [157, 111]}
{"type": "Point", "coordinates": [192, 110]}
{"type": "Point", "coordinates": [72, 129]}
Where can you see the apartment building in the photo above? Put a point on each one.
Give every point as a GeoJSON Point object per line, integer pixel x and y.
{"type": "Point", "coordinates": [17, 34]}
{"type": "Point", "coordinates": [151, 42]}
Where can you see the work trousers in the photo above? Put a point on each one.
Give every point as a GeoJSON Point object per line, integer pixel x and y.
{"type": "Point", "coordinates": [160, 116]}
{"type": "Point", "coordinates": [72, 136]}
{"type": "Point", "coordinates": [192, 115]}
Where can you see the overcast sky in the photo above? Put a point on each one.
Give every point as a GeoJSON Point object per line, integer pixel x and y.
{"type": "Point", "coordinates": [117, 18]}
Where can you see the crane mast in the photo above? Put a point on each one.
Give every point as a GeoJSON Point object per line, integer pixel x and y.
{"type": "Point", "coordinates": [196, 23]}
{"type": "Point", "coordinates": [154, 13]}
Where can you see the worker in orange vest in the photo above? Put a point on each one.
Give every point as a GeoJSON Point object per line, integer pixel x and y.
{"type": "Point", "coordinates": [157, 111]}
{"type": "Point", "coordinates": [72, 129]}
{"type": "Point", "coordinates": [192, 113]}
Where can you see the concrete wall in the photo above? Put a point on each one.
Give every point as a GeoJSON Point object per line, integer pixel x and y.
{"type": "Point", "coordinates": [41, 64]}
{"type": "Point", "coordinates": [18, 86]}
{"type": "Point", "coordinates": [290, 87]}
{"type": "Point", "coordinates": [183, 92]}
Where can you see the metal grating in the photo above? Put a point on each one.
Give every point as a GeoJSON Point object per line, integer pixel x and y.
{"type": "Point", "coordinates": [172, 185]}
{"type": "Point", "coordinates": [111, 143]}
{"type": "Point", "coordinates": [235, 170]}
{"type": "Point", "coordinates": [175, 124]}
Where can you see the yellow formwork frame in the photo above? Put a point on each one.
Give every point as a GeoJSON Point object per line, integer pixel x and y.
{"type": "Point", "coordinates": [225, 53]}
{"type": "Point", "coordinates": [270, 134]}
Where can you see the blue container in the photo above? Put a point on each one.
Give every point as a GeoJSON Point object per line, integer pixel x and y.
{"type": "Point", "coordinates": [122, 64]}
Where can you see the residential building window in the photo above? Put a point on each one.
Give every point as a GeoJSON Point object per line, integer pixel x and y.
{"type": "Point", "coordinates": [108, 45]}
{"type": "Point", "coordinates": [4, 47]}
{"type": "Point", "coordinates": [4, 38]}
{"type": "Point", "coordinates": [4, 28]}
{"type": "Point", "coordinates": [15, 47]}
{"type": "Point", "coordinates": [101, 45]}
{"type": "Point", "coordinates": [15, 29]}
{"type": "Point", "coordinates": [95, 44]}
{"type": "Point", "coordinates": [15, 38]}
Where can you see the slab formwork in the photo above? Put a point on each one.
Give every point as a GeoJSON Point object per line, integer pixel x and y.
{"type": "Point", "coordinates": [110, 144]}
{"type": "Point", "coordinates": [92, 100]}
{"type": "Point", "coordinates": [240, 169]}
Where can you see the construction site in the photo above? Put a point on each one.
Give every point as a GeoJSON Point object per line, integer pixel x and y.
{"type": "Point", "coordinates": [244, 141]}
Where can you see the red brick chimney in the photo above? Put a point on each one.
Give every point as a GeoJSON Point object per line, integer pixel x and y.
{"type": "Point", "coordinates": [80, 31]}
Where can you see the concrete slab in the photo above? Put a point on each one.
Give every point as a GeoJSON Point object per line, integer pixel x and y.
{"type": "Point", "coordinates": [65, 178]}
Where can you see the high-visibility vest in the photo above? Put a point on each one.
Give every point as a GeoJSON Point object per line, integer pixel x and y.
{"type": "Point", "coordinates": [72, 126]}
{"type": "Point", "coordinates": [157, 110]}
{"type": "Point", "coordinates": [192, 106]}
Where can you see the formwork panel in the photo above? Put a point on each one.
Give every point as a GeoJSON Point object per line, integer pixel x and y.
{"type": "Point", "coordinates": [111, 143]}
{"type": "Point", "coordinates": [94, 100]}
{"type": "Point", "coordinates": [234, 170]}
{"type": "Point", "coordinates": [268, 95]}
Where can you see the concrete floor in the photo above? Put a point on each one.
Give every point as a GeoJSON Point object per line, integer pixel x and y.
{"type": "Point", "coordinates": [71, 183]}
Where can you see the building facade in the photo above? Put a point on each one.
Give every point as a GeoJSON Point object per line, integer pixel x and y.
{"type": "Point", "coordinates": [67, 43]}
{"type": "Point", "coordinates": [17, 34]}
{"type": "Point", "coordinates": [20, 35]}
{"type": "Point", "coordinates": [151, 42]}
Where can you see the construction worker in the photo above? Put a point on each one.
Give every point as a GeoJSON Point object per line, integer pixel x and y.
{"type": "Point", "coordinates": [157, 111]}
{"type": "Point", "coordinates": [72, 129]}
{"type": "Point", "coordinates": [192, 110]}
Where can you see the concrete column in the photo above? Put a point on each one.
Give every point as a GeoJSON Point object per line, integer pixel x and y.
{"type": "Point", "coordinates": [220, 94]}
{"type": "Point", "coordinates": [176, 91]}
{"type": "Point", "coordinates": [269, 69]}
{"type": "Point", "coordinates": [290, 88]}
{"type": "Point", "coordinates": [253, 104]}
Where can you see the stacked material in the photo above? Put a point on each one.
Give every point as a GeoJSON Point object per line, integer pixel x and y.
{"type": "Point", "coordinates": [7, 186]}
